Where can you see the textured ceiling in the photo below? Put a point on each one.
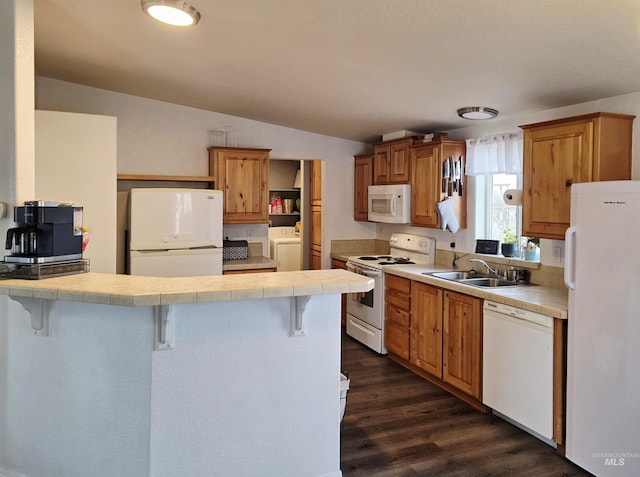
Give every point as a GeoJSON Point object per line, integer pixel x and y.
{"type": "Point", "coordinates": [350, 68]}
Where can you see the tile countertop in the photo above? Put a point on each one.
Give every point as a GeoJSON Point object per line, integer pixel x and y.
{"type": "Point", "coordinates": [546, 300]}
{"type": "Point", "coordinates": [127, 290]}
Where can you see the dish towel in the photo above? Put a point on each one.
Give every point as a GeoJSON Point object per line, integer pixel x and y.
{"type": "Point", "coordinates": [447, 216]}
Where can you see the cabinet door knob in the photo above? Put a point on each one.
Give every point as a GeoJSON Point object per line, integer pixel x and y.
{"type": "Point", "coordinates": [568, 183]}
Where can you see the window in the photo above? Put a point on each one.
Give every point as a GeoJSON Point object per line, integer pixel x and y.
{"type": "Point", "coordinates": [498, 215]}
{"type": "Point", "coordinates": [496, 161]}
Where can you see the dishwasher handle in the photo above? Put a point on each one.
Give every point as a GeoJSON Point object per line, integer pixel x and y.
{"type": "Point", "coordinates": [508, 311]}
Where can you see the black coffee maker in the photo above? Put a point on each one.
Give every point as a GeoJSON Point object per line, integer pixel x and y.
{"type": "Point", "coordinates": [47, 232]}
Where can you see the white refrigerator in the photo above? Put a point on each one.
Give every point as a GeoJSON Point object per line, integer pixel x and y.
{"type": "Point", "coordinates": [602, 267]}
{"type": "Point", "coordinates": [175, 232]}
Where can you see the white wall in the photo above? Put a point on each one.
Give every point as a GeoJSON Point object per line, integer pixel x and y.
{"type": "Point", "coordinates": [76, 162]}
{"type": "Point", "coordinates": [17, 180]}
{"type": "Point", "coordinates": [79, 398]}
{"type": "Point", "coordinates": [162, 138]}
{"type": "Point", "coordinates": [237, 395]}
{"type": "Point", "coordinates": [16, 104]}
{"type": "Point", "coordinates": [270, 405]}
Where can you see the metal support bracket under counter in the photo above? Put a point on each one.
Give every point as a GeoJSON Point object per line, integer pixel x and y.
{"type": "Point", "coordinates": [298, 304]}
{"type": "Point", "coordinates": [38, 309]}
{"type": "Point", "coordinates": [163, 331]}
{"type": "Point", "coordinates": [163, 316]}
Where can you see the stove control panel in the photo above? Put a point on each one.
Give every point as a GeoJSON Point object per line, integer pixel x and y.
{"type": "Point", "coordinates": [414, 243]}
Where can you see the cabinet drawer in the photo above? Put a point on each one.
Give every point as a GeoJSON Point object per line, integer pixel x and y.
{"type": "Point", "coordinates": [398, 316]}
{"type": "Point", "coordinates": [398, 299]}
{"type": "Point", "coordinates": [398, 283]}
{"type": "Point", "coordinates": [397, 339]}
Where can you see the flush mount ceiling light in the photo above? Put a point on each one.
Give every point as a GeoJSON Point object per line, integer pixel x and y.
{"type": "Point", "coordinates": [477, 112]}
{"type": "Point", "coordinates": [172, 12]}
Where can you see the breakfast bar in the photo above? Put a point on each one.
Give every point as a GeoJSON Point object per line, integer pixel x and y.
{"type": "Point", "coordinates": [120, 375]}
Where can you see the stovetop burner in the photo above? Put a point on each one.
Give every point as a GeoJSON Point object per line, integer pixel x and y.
{"type": "Point", "coordinates": [386, 260]}
{"type": "Point", "coordinates": [399, 261]}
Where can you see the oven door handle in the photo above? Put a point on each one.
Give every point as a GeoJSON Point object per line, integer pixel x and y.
{"type": "Point", "coordinates": [366, 273]}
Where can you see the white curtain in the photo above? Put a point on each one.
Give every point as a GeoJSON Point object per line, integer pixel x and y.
{"type": "Point", "coordinates": [497, 154]}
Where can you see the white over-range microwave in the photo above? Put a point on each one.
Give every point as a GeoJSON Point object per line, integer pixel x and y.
{"type": "Point", "coordinates": [390, 203]}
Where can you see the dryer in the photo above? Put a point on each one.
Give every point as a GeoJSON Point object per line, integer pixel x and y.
{"type": "Point", "coordinates": [285, 247]}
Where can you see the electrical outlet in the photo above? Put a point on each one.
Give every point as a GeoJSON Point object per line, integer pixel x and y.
{"type": "Point", "coordinates": [557, 252]}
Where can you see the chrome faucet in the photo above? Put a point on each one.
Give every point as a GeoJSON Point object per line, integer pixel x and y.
{"type": "Point", "coordinates": [489, 269]}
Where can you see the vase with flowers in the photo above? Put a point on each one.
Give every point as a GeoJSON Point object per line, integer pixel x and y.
{"type": "Point", "coordinates": [532, 249]}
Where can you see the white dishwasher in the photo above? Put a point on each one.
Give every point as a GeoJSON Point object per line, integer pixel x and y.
{"type": "Point", "coordinates": [517, 366]}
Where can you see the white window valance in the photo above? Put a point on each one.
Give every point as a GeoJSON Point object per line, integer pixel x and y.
{"type": "Point", "coordinates": [496, 154]}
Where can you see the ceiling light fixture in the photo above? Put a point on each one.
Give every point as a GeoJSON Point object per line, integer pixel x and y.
{"type": "Point", "coordinates": [477, 112]}
{"type": "Point", "coordinates": [172, 12]}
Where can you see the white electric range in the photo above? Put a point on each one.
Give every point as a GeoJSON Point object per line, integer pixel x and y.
{"type": "Point", "coordinates": [365, 311]}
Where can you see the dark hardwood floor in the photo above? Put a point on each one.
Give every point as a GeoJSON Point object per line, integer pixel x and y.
{"type": "Point", "coordinates": [398, 424]}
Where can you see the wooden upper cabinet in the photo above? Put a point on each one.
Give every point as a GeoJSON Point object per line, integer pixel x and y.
{"type": "Point", "coordinates": [428, 187]}
{"type": "Point", "coordinates": [557, 154]}
{"type": "Point", "coordinates": [242, 175]}
{"type": "Point", "coordinates": [363, 178]}
{"type": "Point", "coordinates": [426, 164]}
{"type": "Point", "coordinates": [391, 162]}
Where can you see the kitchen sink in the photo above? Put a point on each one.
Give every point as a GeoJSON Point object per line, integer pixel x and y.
{"type": "Point", "coordinates": [475, 279]}
{"type": "Point", "coordinates": [462, 275]}
{"type": "Point", "coordinates": [489, 282]}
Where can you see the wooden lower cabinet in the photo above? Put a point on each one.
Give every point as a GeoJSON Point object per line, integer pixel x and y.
{"type": "Point", "coordinates": [438, 335]}
{"type": "Point", "coordinates": [426, 328]}
{"type": "Point", "coordinates": [343, 311]}
{"type": "Point", "coordinates": [398, 315]}
{"type": "Point", "coordinates": [462, 342]}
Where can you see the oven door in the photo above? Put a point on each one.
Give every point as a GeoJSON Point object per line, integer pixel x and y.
{"type": "Point", "coordinates": [368, 306]}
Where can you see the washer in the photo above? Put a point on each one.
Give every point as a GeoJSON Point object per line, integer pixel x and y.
{"type": "Point", "coordinates": [285, 247]}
